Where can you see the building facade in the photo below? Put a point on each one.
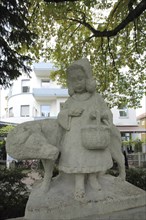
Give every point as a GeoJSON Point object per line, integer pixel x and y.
{"type": "Point", "coordinates": [34, 98]}
{"type": "Point", "coordinates": [38, 97]}
{"type": "Point", "coordinates": [141, 119]}
{"type": "Point", "coordinates": [125, 121]}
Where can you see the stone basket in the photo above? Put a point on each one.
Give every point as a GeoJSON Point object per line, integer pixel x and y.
{"type": "Point", "coordinates": [95, 138]}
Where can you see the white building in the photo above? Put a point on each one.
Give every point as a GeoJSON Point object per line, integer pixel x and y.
{"type": "Point", "coordinates": [33, 98]}
{"type": "Point", "coordinates": [125, 121]}
{"type": "Point", "coordinates": [38, 97]}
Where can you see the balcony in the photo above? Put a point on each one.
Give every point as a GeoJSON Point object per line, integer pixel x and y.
{"type": "Point", "coordinates": [43, 69]}
{"type": "Point", "coordinates": [49, 94]}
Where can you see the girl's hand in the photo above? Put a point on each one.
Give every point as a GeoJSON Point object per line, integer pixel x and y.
{"type": "Point", "coordinates": [105, 120]}
{"type": "Point", "coordinates": [93, 114]}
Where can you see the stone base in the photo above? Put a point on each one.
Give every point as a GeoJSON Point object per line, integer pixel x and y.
{"type": "Point", "coordinates": [59, 203]}
{"type": "Point", "coordinates": [130, 214]}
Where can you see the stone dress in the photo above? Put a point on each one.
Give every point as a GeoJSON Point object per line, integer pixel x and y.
{"type": "Point", "coordinates": [75, 158]}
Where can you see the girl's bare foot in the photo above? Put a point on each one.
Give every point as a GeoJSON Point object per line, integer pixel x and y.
{"type": "Point", "coordinates": [80, 196]}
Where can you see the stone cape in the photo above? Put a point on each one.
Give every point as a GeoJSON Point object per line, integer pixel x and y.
{"type": "Point", "coordinates": [59, 204]}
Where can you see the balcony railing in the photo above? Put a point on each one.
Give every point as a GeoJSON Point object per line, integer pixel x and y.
{"type": "Point", "coordinates": [137, 159]}
{"type": "Point", "coordinates": [49, 93]}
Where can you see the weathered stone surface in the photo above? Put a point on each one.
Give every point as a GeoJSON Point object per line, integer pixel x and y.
{"type": "Point", "coordinates": [59, 203]}
{"type": "Point", "coordinates": [34, 140]}
{"type": "Point", "coordinates": [128, 214]}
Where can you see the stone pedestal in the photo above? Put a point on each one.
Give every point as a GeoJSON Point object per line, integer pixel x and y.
{"type": "Point", "coordinates": [59, 203]}
{"type": "Point", "coordinates": [128, 214]}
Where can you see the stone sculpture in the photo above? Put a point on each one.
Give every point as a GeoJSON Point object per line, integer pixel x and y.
{"type": "Point", "coordinates": [87, 124]}
{"type": "Point", "coordinates": [88, 140]}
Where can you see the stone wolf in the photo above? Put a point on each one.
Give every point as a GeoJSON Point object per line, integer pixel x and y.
{"type": "Point", "coordinates": [41, 140]}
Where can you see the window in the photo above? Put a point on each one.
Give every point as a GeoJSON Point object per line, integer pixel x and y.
{"type": "Point", "coordinates": [25, 85]}
{"type": "Point", "coordinates": [45, 83]}
{"type": "Point", "coordinates": [11, 90]}
{"type": "Point", "coordinates": [143, 122]}
{"type": "Point", "coordinates": [123, 112]}
{"type": "Point", "coordinates": [125, 136]}
{"type": "Point", "coordinates": [24, 110]}
{"type": "Point", "coordinates": [45, 110]}
{"type": "Point", "coordinates": [11, 112]}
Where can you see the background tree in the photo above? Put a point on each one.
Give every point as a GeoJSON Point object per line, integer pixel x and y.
{"type": "Point", "coordinates": [110, 33]}
{"type": "Point", "coordinates": [15, 39]}
{"type": "Point", "coordinates": [13, 192]}
{"type": "Point", "coordinates": [4, 130]}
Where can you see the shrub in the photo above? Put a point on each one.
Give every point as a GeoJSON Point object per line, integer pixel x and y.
{"type": "Point", "coordinates": [138, 146]}
{"type": "Point", "coordinates": [13, 194]}
{"type": "Point", "coordinates": [135, 176]}
{"type": "Point", "coordinates": [2, 150]}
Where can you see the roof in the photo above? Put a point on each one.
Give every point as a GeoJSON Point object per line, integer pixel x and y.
{"type": "Point", "coordinates": [4, 123]}
{"type": "Point", "coordinates": [141, 116]}
{"type": "Point", "coordinates": [131, 129]}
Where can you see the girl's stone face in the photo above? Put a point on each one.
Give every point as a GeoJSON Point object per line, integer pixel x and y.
{"type": "Point", "coordinates": [78, 80]}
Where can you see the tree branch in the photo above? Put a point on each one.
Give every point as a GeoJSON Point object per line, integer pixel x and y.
{"type": "Point", "coordinates": [58, 1]}
{"type": "Point", "coordinates": [133, 14]}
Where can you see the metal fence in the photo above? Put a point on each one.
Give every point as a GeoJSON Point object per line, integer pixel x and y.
{"type": "Point", "coordinates": [137, 159]}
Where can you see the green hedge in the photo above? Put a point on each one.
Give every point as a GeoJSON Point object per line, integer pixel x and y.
{"type": "Point", "coordinates": [135, 176]}
{"type": "Point", "coordinates": [13, 194]}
